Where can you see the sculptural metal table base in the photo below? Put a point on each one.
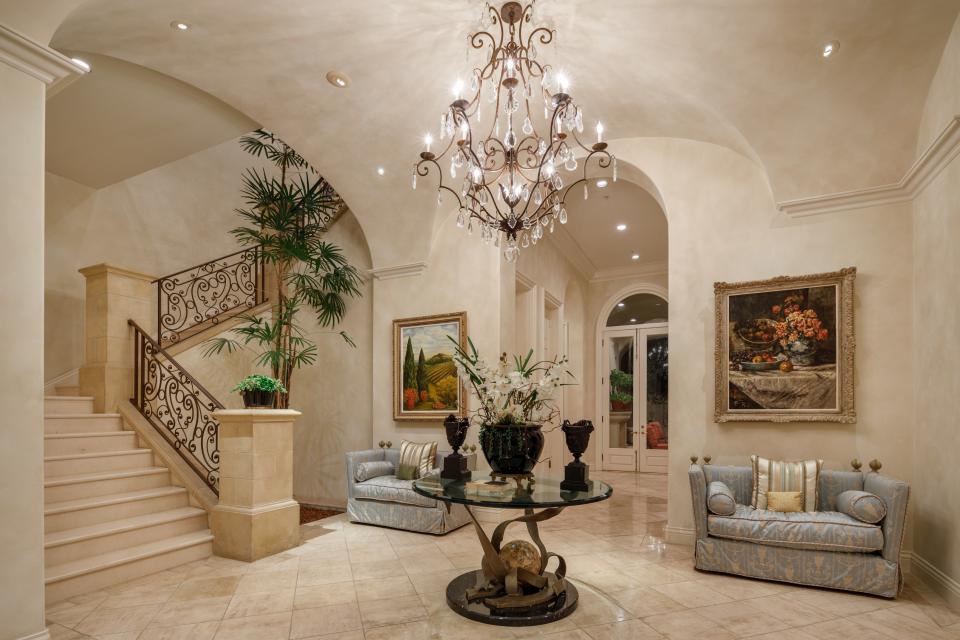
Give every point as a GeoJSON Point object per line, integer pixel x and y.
{"type": "Point", "coordinates": [513, 596]}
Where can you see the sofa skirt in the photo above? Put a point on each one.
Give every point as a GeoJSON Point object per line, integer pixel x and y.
{"type": "Point", "coordinates": [862, 572]}
{"type": "Point", "coordinates": [407, 517]}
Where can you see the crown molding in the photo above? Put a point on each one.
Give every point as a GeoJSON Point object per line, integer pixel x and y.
{"type": "Point", "coordinates": [931, 162]}
{"type": "Point", "coordinates": [570, 249]}
{"type": "Point", "coordinates": [633, 271]}
{"type": "Point", "coordinates": [35, 59]}
{"type": "Point", "coordinates": [398, 271]}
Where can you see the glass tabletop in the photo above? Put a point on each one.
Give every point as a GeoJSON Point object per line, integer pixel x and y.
{"type": "Point", "coordinates": [546, 492]}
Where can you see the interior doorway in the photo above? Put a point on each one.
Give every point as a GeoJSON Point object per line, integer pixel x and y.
{"type": "Point", "coordinates": [634, 367]}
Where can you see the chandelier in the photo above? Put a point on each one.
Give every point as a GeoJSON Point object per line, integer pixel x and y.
{"type": "Point", "coordinates": [512, 162]}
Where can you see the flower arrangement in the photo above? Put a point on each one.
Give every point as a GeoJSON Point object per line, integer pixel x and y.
{"type": "Point", "coordinates": [798, 330]}
{"type": "Point", "coordinates": [511, 395]}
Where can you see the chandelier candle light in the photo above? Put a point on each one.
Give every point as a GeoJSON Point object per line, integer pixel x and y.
{"type": "Point", "coordinates": [512, 186]}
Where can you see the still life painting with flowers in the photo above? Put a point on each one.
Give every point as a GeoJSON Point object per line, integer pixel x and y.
{"type": "Point", "coordinates": [785, 349]}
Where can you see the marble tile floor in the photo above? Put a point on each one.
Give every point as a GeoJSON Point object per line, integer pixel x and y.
{"type": "Point", "coordinates": [356, 582]}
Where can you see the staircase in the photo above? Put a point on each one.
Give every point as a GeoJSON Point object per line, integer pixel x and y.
{"type": "Point", "coordinates": [111, 513]}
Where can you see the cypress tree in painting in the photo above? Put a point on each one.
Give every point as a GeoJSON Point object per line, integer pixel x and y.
{"type": "Point", "coordinates": [421, 374]}
{"type": "Point", "coordinates": [409, 368]}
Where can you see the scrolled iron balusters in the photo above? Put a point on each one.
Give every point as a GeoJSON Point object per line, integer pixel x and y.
{"type": "Point", "coordinates": [206, 292]}
{"type": "Point", "coordinates": [178, 407]}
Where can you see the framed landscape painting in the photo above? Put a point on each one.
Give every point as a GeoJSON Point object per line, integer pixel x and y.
{"type": "Point", "coordinates": [784, 349]}
{"type": "Point", "coordinates": [425, 382]}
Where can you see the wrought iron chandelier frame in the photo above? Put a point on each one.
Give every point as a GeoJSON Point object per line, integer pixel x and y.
{"type": "Point", "coordinates": [512, 186]}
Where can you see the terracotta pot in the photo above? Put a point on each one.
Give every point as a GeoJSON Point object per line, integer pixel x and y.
{"type": "Point", "coordinates": [512, 449]}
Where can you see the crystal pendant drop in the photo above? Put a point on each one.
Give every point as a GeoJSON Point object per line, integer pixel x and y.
{"type": "Point", "coordinates": [443, 125]}
{"type": "Point", "coordinates": [460, 219]}
{"type": "Point", "coordinates": [542, 147]}
{"type": "Point", "coordinates": [483, 196]}
{"type": "Point", "coordinates": [537, 197]}
{"type": "Point", "coordinates": [414, 180]}
{"type": "Point", "coordinates": [586, 192]}
{"type": "Point", "coordinates": [527, 126]}
{"type": "Point", "coordinates": [557, 182]}
{"type": "Point", "coordinates": [470, 228]}
{"type": "Point", "coordinates": [512, 220]}
{"type": "Point", "coordinates": [571, 163]}
{"type": "Point", "coordinates": [525, 192]}
{"type": "Point", "coordinates": [551, 225]}
{"type": "Point", "coordinates": [496, 240]}
{"type": "Point", "coordinates": [496, 130]}
{"type": "Point", "coordinates": [532, 52]}
{"type": "Point", "coordinates": [508, 254]}
{"type": "Point", "coordinates": [473, 82]}
{"type": "Point", "coordinates": [614, 168]}
{"type": "Point", "coordinates": [453, 168]}
{"type": "Point", "coordinates": [439, 197]}
{"type": "Point", "coordinates": [563, 216]}
{"type": "Point", "coordinates": [579, 120]}
{"type": "Point", "coordinates": [510, 140]}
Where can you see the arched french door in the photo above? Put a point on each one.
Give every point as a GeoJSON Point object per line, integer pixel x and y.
{"type": "Point", "coordinates": [633, 358]}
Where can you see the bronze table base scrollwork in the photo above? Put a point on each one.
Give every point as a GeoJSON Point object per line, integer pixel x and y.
{"type": "Point", "coordinates": [513, 586]}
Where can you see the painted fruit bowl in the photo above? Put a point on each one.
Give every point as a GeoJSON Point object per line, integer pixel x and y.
{"type": "Point", "coordinates": [759, 333]}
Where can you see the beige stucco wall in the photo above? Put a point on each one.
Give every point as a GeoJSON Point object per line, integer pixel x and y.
{"type": "Point", "coordinates": [21, 371]}
{"type": "Point", "coordinates": [158, 222]}
{"type": "Point", "coordinates": [936, 327]}
{"type": "Point", "coordinates": [724, 226]}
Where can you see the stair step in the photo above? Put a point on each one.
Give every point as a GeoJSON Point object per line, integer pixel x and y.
{"type": "Point", "coordinates": [95, 572]}
{"type": "Point", "coordinates": [81, 422]}
{"type": "Point", "coordinates": [70, 514]}
{"type": "Point", "coordinates": [67, 404]}
{"type": "Point", "coordinates": [88, 485]}
{"type": "Point", "coordinates": [64, 444]}
{"type": "Point", "coordinates": [72, 390]}
{"type": "Point", "coordinates": [74, 464]}
{"type": "Point", "coordinates": [71, 545]}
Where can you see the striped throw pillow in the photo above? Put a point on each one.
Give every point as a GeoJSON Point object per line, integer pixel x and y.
{"type": "Point", "coordinates": [420, 456]}
{"type": "Point", "coordinates": [777, 475]}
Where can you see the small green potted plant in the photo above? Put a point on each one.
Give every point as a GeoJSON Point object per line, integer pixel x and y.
{"type": "Point", "coordinates": [259, 391]}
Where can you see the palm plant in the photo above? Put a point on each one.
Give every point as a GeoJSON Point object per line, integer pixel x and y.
{"type": "Point", "coordinates": [287, 216]}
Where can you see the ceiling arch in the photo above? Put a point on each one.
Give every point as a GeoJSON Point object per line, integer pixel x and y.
{"type": "Point", "coordinates": [742, 74]}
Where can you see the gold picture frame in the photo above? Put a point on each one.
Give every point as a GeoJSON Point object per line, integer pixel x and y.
{"type": "Point", "coordinates": [784, 349]}
{"type": "Point", "coordinates": [425, 392]}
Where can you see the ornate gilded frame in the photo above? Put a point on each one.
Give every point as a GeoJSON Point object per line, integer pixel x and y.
{"type": "Point", "coordinates": [424, 416]}
{"type": "Point", "coordinates": [846, 346]}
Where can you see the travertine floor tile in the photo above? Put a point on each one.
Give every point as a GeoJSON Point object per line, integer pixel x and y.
{"type": "Point", "coordinates": [106, 621]}
{"type": "Point", "coordinates": [256, 604]}
{"type": "Point", "coordinates": [324, 620]}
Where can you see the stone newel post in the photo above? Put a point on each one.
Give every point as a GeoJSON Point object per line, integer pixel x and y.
{"type": "Point", "coordinates": [113, 296]}
{"type": "Point", "coordinates": [257, 515]}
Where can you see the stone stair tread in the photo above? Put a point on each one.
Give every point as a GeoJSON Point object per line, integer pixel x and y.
{"type": "Point", "coordinates": [113, 498]}
{"type": "Point", "coordinates": [119, 526]}
{"type": "Point", "coordinates": [81, 416]}
{"type": "Point", "coordinates": [119, 557]}
{"type": "Point", "coordinates": [88, 434]}
{"type": "Point", "coordinates": [57, 481]}
{"type": "Point", "coordinates": [98, 454]}
{"type": "Point", "coordinates": [68, 398]}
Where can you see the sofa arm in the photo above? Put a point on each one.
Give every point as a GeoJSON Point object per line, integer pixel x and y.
{"type": "Point", "coordinates": [356, 457]}
{"type": "Point", "coordinates": [698, 493]}
{"type": "Point", "coordinates": [895, 494]}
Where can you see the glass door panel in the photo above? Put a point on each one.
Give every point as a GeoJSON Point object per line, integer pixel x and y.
{"type": "Point", "coordinates": [656, 426]}
{"type": "Point", "coordinates": [620, 388]}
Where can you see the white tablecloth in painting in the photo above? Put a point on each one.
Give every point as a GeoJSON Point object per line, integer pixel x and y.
{"type": "Point", "coordinates": [802, 388]}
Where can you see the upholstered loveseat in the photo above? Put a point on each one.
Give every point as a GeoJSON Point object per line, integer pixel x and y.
{"type": "Point", "coordinates": [388, 501]}
{"type": "Point", "coordinates": [825, 548]}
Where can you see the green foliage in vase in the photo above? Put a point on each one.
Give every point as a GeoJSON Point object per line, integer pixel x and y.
{"type": "Point", "coordinates": [258, 382]}
{"type": "Point", "coordinates": [286, 215]}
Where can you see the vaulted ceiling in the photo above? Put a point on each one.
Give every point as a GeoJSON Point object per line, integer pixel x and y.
{"type": "Point", "coordinates": [744, 74]}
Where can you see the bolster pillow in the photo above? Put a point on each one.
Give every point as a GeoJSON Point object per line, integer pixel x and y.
{"type": "Point", "coordinates": [861, 505]}
{"type": "Point", "coordinates": [367, 470]}
{"type": "Point", "coordinates": [720, 499]}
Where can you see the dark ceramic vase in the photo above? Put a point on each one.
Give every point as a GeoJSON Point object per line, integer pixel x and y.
{"type": "Point", "coordinates": [258, 399]}
{"type": "Point", "coordinates": [512, 449]}
{"type": "Point", "coordinates": [577, 435]}
{"type": "Point", "coordinates": [456, 429]}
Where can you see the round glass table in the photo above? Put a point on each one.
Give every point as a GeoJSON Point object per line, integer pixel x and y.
{"type": "Point", "coordinates": [513, 586]}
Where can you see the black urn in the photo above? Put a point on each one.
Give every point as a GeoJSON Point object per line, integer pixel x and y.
{"type": "Point", "coordinates": [512, 449]}
{"type": "Point", "coordinates": [577, 436]}
{"type": "Point", "coordinates": [258, 399]}
{"type": "Point", "coordinates": [455, 464]}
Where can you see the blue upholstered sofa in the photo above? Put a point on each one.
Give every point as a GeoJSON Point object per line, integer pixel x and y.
{"type": "Point", "coordinates": [388, 501]}
{"type": "Point", "coordinates": [825, 548]}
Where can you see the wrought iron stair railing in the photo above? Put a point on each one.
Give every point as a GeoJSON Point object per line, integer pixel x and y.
{"type": "Point", "coordinates": [206, 294]}
{"type": "Point", "coordinates": [177, 405]}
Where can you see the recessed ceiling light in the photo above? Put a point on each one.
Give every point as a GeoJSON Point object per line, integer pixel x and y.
{"type": "Point", "coordinates": [380, 171]}
{"type": "Point", "coordinates": [633, 319]}
{"type": "Point", "coordinates": [338, 79]}
{"type": "Point", "coordinates": [601, 184]}
{"type": "Point", "coordinates": [80, 62]}
{"type": "Point", "coordinates": [635, 256]}
{"type": "Point", "coordinates": [621, 304]}
{"type": "Point", "coordinates": [829, 48]}
{"type": "Point", "coordinates": [621, 227]}
{"type": "Point", "coordinates": [178, 25]}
